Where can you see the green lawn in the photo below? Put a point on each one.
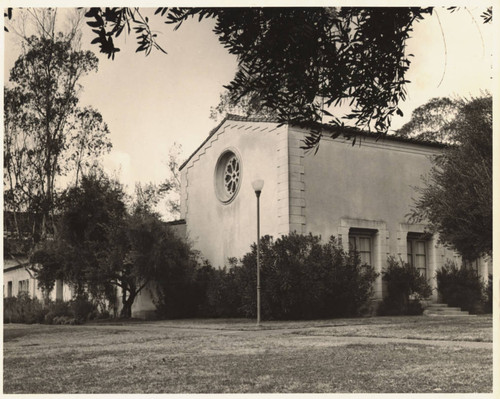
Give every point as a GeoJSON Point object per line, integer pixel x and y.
{"type": "Point", "coordinates": [233, 356]}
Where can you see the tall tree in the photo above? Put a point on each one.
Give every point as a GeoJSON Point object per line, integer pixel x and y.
{"type": "Point", "coordinates": [143, 250]}
{"type": "Point", "coordinates": [433, 121]}
{"type": "Point", "coordinates": [298, 61]}
{"type": "Point", "coordinates": [171, 187]}
{"type": "Point", "coordinates": [456, 199]}
{"type": "Point", "coordinates": [247, 106]}
{"type": "Point", "coordinates": [87, 214]}
{"type": "Point", "coordinates": [45, 131]}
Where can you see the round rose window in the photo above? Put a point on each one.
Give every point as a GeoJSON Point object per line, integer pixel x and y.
{"type": "Point", "coordinates": [227, 176]}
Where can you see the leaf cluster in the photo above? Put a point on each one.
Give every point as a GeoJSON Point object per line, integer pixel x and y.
{"type": "Point", "coordinates": [406, 287]}
{"type": "Point", "coordinates": [461, 287]}
{"type": "Point", "coordinates": [299, 61]}
{"type": "Point", "coordinates": [7, 13]}
{"type": "Point", "coordinates": [108, 23]}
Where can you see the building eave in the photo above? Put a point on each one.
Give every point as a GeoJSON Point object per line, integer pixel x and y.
{"type": "Point", "coordinates": [345, 131]}
{"type": "Point", "coordinates": [16, 267]}
{"type": "Point", "coordinates": [212, 132]}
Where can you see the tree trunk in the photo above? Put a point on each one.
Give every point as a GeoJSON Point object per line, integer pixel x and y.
{"type": "Point", "coordinates": [126, 311]}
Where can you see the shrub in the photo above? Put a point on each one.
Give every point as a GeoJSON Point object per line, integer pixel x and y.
{"type": "Point", "coordinates": [488, 304]}
{"type": "Point", "coordinates": [303, 278]}
{"type": "Point", "coordinates": [221, 292]}
{"type": "Point", "coordinates": [57, 309]}
{"type": "Point", "coordinates": [82, 309]}
{"type": "Point", "coordinates": [175, 292]}
{"type": "Point", "coordinates": [406, 287]}
{"type": "Point", "coordinates": [23, 309]}
{"type": "Point", "coordinates": [460, 287]}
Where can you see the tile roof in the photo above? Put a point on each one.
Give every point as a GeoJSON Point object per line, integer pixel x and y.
{"type": "Point", "coordinates": [346, 131]}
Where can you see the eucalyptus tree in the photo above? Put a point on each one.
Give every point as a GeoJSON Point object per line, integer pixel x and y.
{"type": "Point", "coordinates": [47, 135]}
{"type": "Point", "coordinates": [433, 120]}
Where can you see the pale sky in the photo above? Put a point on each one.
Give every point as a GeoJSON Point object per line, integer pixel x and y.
{"type": "Point", "coordinates": [151, 102]}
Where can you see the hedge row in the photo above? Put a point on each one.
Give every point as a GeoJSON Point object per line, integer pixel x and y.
{"type": "Point", "coordinates": [24, 309]}
{"type": "Point", "coordinates": [301, 278]}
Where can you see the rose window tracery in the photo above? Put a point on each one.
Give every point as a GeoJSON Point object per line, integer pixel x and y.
{"type": "Point", "coordinates": [232, 175]}
{"type": "Point", "coordinates": [227, 176]}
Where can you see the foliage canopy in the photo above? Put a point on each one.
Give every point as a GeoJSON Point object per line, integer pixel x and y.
{"type": "Point", "coordinates": [456, 199]}
{"type": "Point", "coordinates": [461, 287]}
{"type": "Point", "coordinates": [406, 287]}
{"type": "Point", "coordinates": [432, 121]}
{"type": "Point", "coordinates": [46, 134]}
{"type": "Point", "coordinates": [298, 60]}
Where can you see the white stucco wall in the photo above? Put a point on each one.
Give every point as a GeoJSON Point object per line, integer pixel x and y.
{"type": "Point", "coordinates": [143, 306]}
{"type": "Point", "coordinates": [370, 185]}
{"type": "Point", "coordinates": [222, 230]}
{"type": "Point", "coordinates": [367, 186]}
{"type": "Point", "coordinates": [13, 273]}
{"type": "Point", "coordinates": [372, 181]}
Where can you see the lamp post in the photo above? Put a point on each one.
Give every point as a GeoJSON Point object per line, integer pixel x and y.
{"type": "Point", "coordinates": [257, 187]}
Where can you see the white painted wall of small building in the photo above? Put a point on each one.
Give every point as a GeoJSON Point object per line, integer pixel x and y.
{"type": "Point", "coordinates": [15, 275]}
{"type": "Point", "coordinates": [143, 306]}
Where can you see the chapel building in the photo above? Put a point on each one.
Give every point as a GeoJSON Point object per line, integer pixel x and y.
{"type": "Point", "coordinates": [361, 194]}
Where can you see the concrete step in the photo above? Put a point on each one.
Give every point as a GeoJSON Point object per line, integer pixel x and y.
{"type": "Point", "coordinates": [444, 309]}
{"type": "Point", "coordinates": [456, 313]}
{"type": "Point", "coordinates": [437, 305]}
{"type": "Point", "coordinates": [462, 314]}
{"type": "Point", "coordinates": [441, 309]}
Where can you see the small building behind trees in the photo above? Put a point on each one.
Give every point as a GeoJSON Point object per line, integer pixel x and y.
{"type": "Point", "coordinates": [17, 277]}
